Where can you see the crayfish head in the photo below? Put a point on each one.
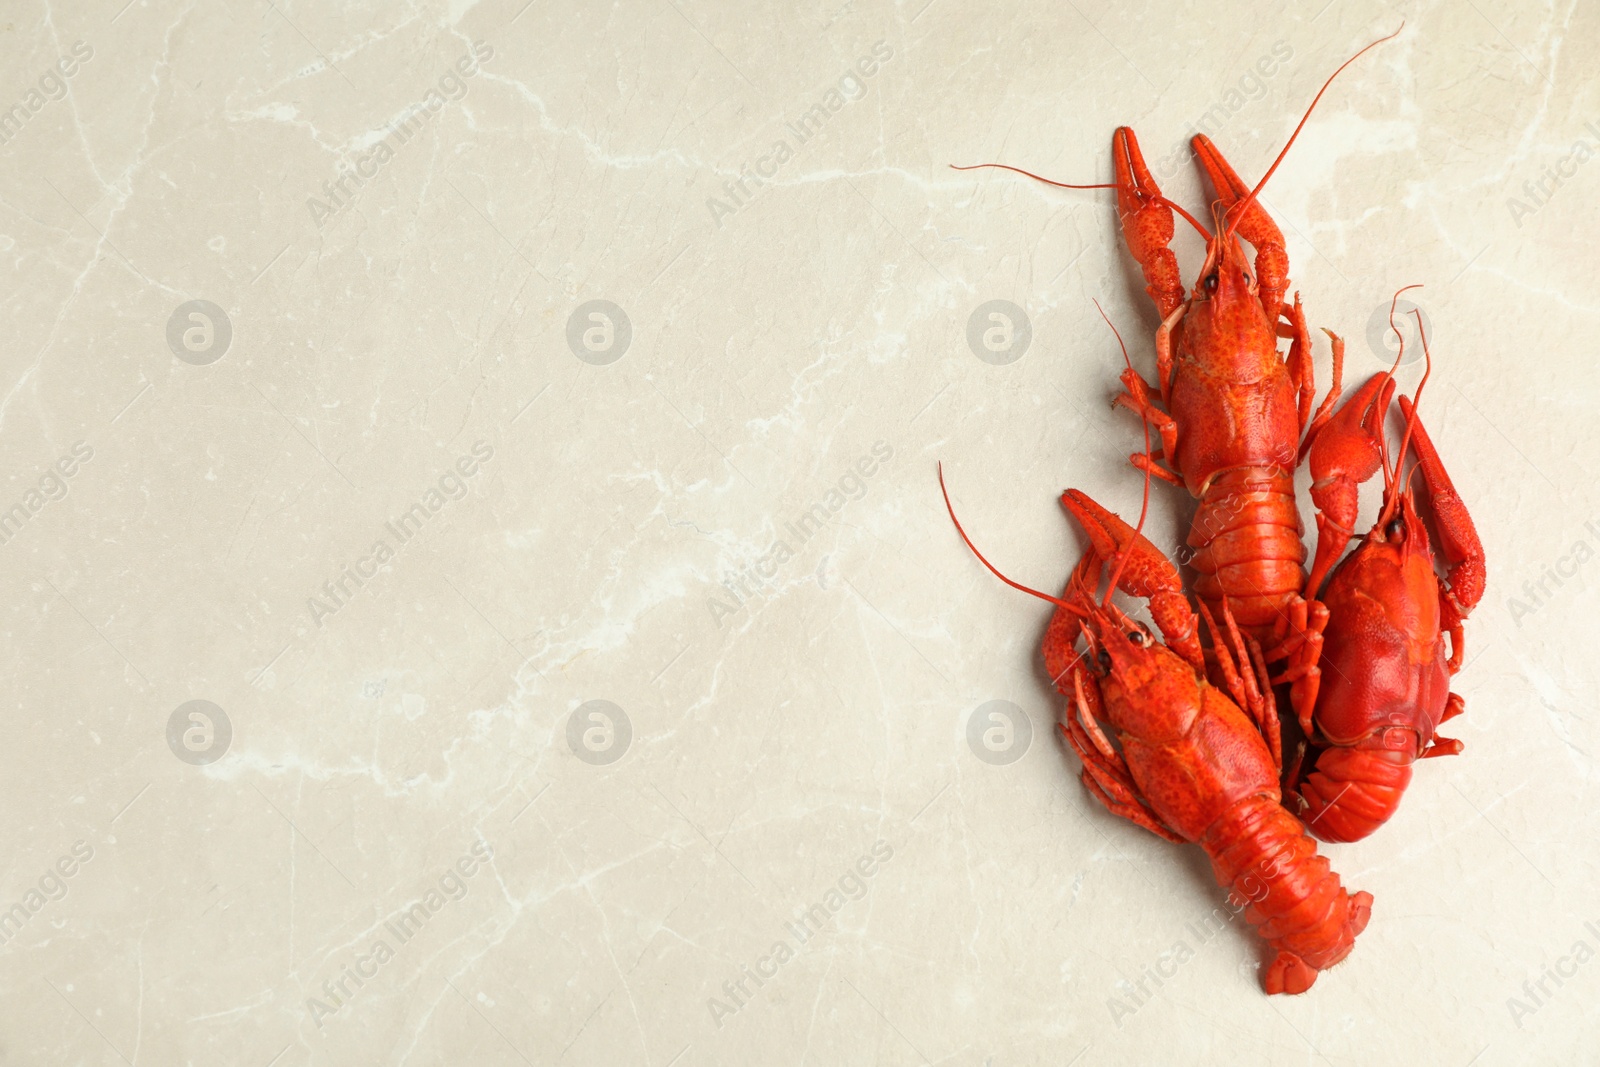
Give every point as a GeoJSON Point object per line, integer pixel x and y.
{"type": "Point", "coordinates": [1394, 553]}
{"type": "Point", "coordinates": [1226, 274]}
{"type": "Point", "coordinates": [1403, 530]}
{"type": "Point", "coordinates": [1145, 685]}
{"type": "Point", "coordinates": [1225, 315]}
{"type": "Point", "coordinates": [1392, 571]}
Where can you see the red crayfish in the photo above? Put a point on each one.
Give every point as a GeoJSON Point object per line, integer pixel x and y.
{"type": "Point", "coordinates": [1198, 753]}
{"type": "Point", "coordinates": [1386, 676]}
{"type": "Point", "coordinates": [1229, 410]}
{"type": "Point", "coordinates": [1235, 420]}
{"type": "Point", "coordinates": [1193, 763]}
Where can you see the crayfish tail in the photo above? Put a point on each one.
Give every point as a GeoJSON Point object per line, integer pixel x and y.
{"type": "Point", "coordinates": [1353, 791]}
{"type": "Point", "coordinates": [1289, 893]}
{"type": "Point", "coordinates": [1288, 973]}
{"type": "Point", "coordinates": [1245, 538]}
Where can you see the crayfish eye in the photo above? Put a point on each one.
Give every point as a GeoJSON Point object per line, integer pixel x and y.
{"type": "Point", "coordinates": [1211, 283]}
{"type": "Point", "coordinates": [1137, 637]}
{"type": "Point", "coordinates": [1104, 659]}
{"type": "Point", "coordinates": [1395, 530]}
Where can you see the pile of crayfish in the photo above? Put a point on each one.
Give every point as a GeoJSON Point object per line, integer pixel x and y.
{"type": "Point", "coordinates": [1181, 728]}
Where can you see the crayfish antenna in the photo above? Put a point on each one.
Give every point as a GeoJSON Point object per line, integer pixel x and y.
{"type": "Point", "coordinates": [1244, 205]}
{"type": "Point", "coordinates": [1075, 609]}
{"type": "Point", "coordinates": [1392, 472]}
{"type": "Point", "coordinates": [1144, 506]}
{"type": "Point", "coordinates": [1204, 233]}
{"type": "Point", "coordinates": [1411, 419]}
{"type": "Point", "coordinates": [1035, 177]}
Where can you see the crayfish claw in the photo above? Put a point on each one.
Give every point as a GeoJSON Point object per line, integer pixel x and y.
{"type": "Point", "coordinates": [1147, 222]}
{"type": "Point", "coordinates": [1347, 450]}
{"type": "Point", "coordinates": [1255, 226]}
{"type": "Point", "coordinates": [1143, 572]}
{"type": "Point", "coordinates": [1458, 537]}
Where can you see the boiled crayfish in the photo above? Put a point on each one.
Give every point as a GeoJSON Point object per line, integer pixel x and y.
{"type": "Point", "coordinates": [1230, 411]}
{"type": "Point", "coordinates": [1197, 754]}
{"type": "Point", "coordinates": [1192, 763]}
{"type": "Point", "coordinates": [1386, 673]}
{"type": "Point", "coordinates": [1365, 656]}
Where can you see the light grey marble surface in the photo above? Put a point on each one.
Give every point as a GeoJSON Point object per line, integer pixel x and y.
{"type": "Point", "coordinates": [399, 501]}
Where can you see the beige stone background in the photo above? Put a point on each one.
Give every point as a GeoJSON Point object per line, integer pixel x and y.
{"type": "Point", "coordinates": [355, 750]}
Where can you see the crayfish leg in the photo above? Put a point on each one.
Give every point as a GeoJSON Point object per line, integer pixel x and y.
{"type": "Point", "coordinates": [1147, 464]}
{"type": "Point", "coordinates": [1105, 772]}
{"type": "Point", "coordinates": [1123, 801]}
{"type": "Point", "coordinates": [1454, 705]}
{"type": "Point", "coordinates": [1302, 647]}
{"type": "Point", "coordinates": [1302, 372]}
{"type": "Point", "coordinates": [1087, 717]}
{"type": "Point", "coordinates": [1230, 649]}
{"type": "Point", "coordinates": [1444, 746]}
{"type": "Point", "coordinates": [1100, 761]}
{"type": "Point", "coordinates": [1164, 341]}
{"type": "Point", "coordinates": [1271, 729]}
{"type": "Point", "coordinates": [1138, 400]}
{"type": "Point", "coordinates": [1243, 668]}
{"type": "Point", "coordinates": [1335, 387]}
